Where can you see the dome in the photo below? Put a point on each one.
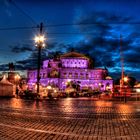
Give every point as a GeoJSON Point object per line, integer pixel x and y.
{"type": "Point", "coordinates": [108, 78]}
{"type": "Point", "coordinates": [73, 55]}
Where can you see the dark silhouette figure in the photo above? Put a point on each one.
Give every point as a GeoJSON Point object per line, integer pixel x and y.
{"type": "Point", "coordinates": [17, 91]}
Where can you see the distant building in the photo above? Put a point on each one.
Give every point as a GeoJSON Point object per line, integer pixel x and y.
{"type": "Point", "coordinates": [11, 76]}
{"type": "Point", "coordinates": [71, 67]}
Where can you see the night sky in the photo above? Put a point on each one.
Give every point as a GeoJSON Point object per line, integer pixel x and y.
{"type": "Point", "coordinates": [91, 27]}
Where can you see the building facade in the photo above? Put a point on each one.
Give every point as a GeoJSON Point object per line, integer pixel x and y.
{"type": "Point", "coordinates": [71, 67]}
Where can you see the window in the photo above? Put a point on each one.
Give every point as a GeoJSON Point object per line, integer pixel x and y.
{"type": "Point", "coordinates": [70, 75]}
{"type": "Point", "coordinates": [44, 75]}
{"type": "Point", "coordinates": [81, 75]}
{"type": "Point", "coordinates": [64, 75]}
{"type": "Point", "coordinates": [40, 75]}
{"type": "Point", "coordinates": [31, 75]}
{"type": "Point", "coordinates": [87, 76]}
{"type": "Point", "coordinates": [76, 75]}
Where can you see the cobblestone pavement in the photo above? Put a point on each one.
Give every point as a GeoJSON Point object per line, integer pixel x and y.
{"type": "Point", "coordinates": [69, 119]}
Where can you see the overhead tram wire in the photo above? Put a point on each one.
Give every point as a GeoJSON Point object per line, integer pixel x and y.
{"type": "Point", "coordinates": [49, 33]}
{"type": "Point", "coordinates": [33, 27]}
{"type": "Point", "coordinates": [94, 23]}
{"type": "Point", "coordinates": [59, 25]}
{"type": "Point", "coordinates": [22, 11]}
{"type": "Point", "coordinates": [17, 28]}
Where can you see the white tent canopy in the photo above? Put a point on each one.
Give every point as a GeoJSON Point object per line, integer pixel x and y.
{"type": "Point", "coordinates": [137, 86]}
{"type": "Point", "coordinates": [6, 88]}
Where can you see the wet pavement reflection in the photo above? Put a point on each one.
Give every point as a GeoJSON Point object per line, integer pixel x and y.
{"type": "Point", "coordinates": [71, 105]}
{"type": "Point", "coordinates": [69, 119]}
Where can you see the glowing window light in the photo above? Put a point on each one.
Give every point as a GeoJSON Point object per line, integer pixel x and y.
{"type": "Point", "coordinates": [138, 90]}
{"type": "Point", "coordinates": [49, 87]}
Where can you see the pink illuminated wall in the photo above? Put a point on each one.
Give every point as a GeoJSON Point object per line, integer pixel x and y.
{"type": "Point", "coordinates": [59, 72]}
{"type": "Point", "coordinates": [74, 63]}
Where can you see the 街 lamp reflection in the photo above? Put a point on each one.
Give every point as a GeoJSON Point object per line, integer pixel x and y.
{"type": "Point", "coordinates": [68, 106]}
{"type": "Point", "coordinates": [15, 103]}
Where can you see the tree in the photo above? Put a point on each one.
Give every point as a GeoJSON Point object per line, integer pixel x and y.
{"type": "Point", "coordinates": [131, 81]}
{"type": "Point", "coordinates": [117, 81]}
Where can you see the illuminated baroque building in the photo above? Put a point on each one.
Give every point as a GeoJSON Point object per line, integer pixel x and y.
{"type": "Point", "coordinates": [74, 67]}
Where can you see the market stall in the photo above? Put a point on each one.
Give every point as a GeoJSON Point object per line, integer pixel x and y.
{"type": "Point", "coordinates": [6, 88]}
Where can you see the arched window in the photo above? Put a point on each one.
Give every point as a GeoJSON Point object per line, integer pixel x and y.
{"type": "Point", "coordinates": [108, 86]}
{"type": "Point", "coordinates": [87, 75]}
{"type": "Point", "coordinates": [64, 75]}
{"type": "Point", "coordinates": [76, 75]}
{"type": "Point", "coordinates": [70, 75]}
{"type": "Point", "coordinates": [44, 75]}
{"type": "Point", "coordinates": [81, 75]}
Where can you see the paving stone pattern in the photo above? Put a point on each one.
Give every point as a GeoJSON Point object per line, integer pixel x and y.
{"type": "Point", "coordinates": [73, 119]}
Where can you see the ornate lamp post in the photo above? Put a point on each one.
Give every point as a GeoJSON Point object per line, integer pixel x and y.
{"type": "Point", "coordinates": [40, 43]}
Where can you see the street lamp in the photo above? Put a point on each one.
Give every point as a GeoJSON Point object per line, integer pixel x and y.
{"type": "Point", "coordinates": [125, 80]}
{"type": "Point", "coordinates": [39, 43]}
{"type": "Point", "coordinates": [17, 77]}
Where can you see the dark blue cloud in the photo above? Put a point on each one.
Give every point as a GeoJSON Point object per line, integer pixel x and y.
{"type": "Point", "coordinates": [20, 49]}
{"type": "Point", "coordinates": [100, 39]}
{"type": "Point", "coordinates": [104, 44]}
{"type": "Point", "coordinates": [99, 42]}
{"type": "Point", "coordinates": [31, 62]}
